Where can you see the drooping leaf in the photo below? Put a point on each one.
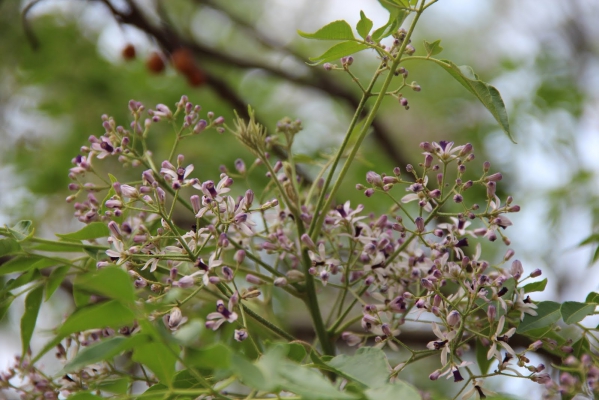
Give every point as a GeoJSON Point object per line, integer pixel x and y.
{"type": "Point", "coordinates": [55, 279]}
{"type": "Point", "coordinates": [19, 264]}
{"type": "Point", "coordinates": [364, 25]}
{"type": "Point", "coordinates": [110, 281]}
{"type": "Point", "coordinates": [23, 279]}
{"type": "Point", "coordinates": [488, 95]}
{"type": "Point", "coordinates": [5, 305]}
{"type": "Point", "coordinates": [33, 301]}
{"type": "Point", "coordinates": [104, 350]}
{"type": "Point", "coordinates": [336, 30]}
{"type": "Point", "coordinates": [481, 357]}
{"type": "Point", "coordinates": [337, 51]}
{"type": "Point", "coordinates": [393, 391]}
{"type": "Point", "coordinates": [548, 312]}
{"type": "Point", "coordinates": [159, 358]}
{"type": "Point", "coordinates": [8, 247]}
{"type": "Point", "coordinates": [94, 230]}
{"type": "Point", "coordinates": [433, 48]}
{"type": "Point", "coordinates": [367, 366]}
{"type": "Point", "coordinates": [581, 346]}
{"type": "Point", "coordinates": [309, 384]}
{"type": "Point", "coordinates": [23, 230]}
{"type": "Point", "coordinates": [573, 311]}
{"type": "Point", "coordinates": [215, 356]}
{"type": "Point", "coordinates": [535, 286]}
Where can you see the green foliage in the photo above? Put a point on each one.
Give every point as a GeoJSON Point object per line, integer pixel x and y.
{"type": "Point", "coordinates": [548, 313]}
{"type": "Point", "coordinates": [433, 48]}
{"type": "Point", "coordinates": [538, 286]}
{"type": "Point", "coordinates": [337, 30]}
{"type": "Point", "coordinates": [111, 282]}
{"type": "Point", "coordinates": [33, 301]}
{"type": "Point", "coordinates": [573, 311]}
{"type": "Point", "coordinates": [364, 25]}
{"type": "Point", "coordinates": [91, 231]}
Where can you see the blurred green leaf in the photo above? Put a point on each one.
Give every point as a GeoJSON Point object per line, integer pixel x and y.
{"type": "Point", "coordinates": [104, 350]}
{"type": "Point", "coordinates": [396, 18]}
{"type": "Point", "coordinates": [94, 230]}
{"type": "Point", "coordinates": [337, 30]}
{"type": "Point", "coordinates": [309, 384]}
{"type": "Point", "coordinates": [297, 352]}
{"type": "Point", "coordinates": [22, 279]}
{"type": "Point", "coordinates": [110, 281]}
{"type": "Point", "coordinates": [364, 25]}
{"type": "Point", "coordinates": [592, 297]}
{"type": "Point", "coordinates": [117, 386]}
{"type": "Point", "coordinates": [108, 314]}
{"type": "Point", "coordinates": [159, 358]}
{"type": "Point", "coordinates": [368, 366]}
{"type": "Point", "coordinates": [535, 286]}
{"type": "Point", "coordinates": [433, 48]}
{"type": "Point", "coordinates": [487, 94]}
{"type": "Point", "coordinates": [33, 301]}
{"type": "Point", "coordinates": [5, 305]}
{"type": "Point", "coordinates": [8, 246]}
{"type": "Point", "coordinates": [548, 312]}
{"type": "Point", "coordinates": [481, 357]}
{"type": "Point", "coordinates": [573, 311]}
{"type": "Point", "coordinates": [393, 391]}
{"type": "Point", "coordinates": [18, 264]}
{"type": "Point", "coordinates": [215, 356]}
{"type": "Point", "coordinates": [84, 396]}
{"type": "Point", "coordinates": [250, 374]}
{"type": "Point", "coordinates": [581, 346]}
{"type": "Point", "coordinates": [55, 279]}
{"type": "Point", "coordinates": [337, 51]}
{"type": "Point", "coordinates": [23, 230]}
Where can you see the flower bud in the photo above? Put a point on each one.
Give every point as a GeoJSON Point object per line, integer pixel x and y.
{"type": "Point", "coordinates": [491, 313]}
{"type": "Point", "coordinates": [419, 221]}
{"type": "Point", "coordinates": [535, 273]}
{"type": "Point", "coordinates": [280, 282]}
{"type": "Point", "coordinates": [253, 279]}
{"type": "Point", "coordinates": [453, 318]}
{"type": "Point", "coordinates": [240, 335]}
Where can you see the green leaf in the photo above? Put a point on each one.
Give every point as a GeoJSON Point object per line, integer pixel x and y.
{"type": "Point", "coordinates": [108, 314]}
{"type": "Point", "coordinates": [393, 391]}
{"type": "Point", "coordinates": [23, 230]}
{"type": "Point", "coordinates": [33, 301]}
{"type": "Point", "coordinates": [548, 312]}
{"type": "Point", "coordinates": [110, 281]}
{"type": "Point", "coordinates": [395, 4]}
{"type": "Point", "coordinates": [159, 358]}
{"type": "Point", "coordinates": [118, 386]}
{"type": "Point", "coordinates": [215, 356]}
{"type": "Point", "coordinates": [337, 51]}
{"type": "Point", "coordinates": [433, 48]}
{"type": "Point", "coordinates": [396, 18]}
{"type": "Point", "coordinates": [84, 396]}
{"type": "Point", "coordinates": [581, 347]}
{"type": "Point", "coordinates": [486, 94]}
{"type": "Point", "coordinates": [63, 247]}
{"type": "Point", "coordinates": [367, 366]}
{"type": "Point", "coordinates": [481, 357]}
{"type": "Point", "coordinates": [9, 246]}
{"type": "Point", "coordinates": [337, 30]}
{"type": "Point", "coordinates": [5, 305]}
{"type": "Point", "coordinates": [364, 25]}
{"type": "Point", "coordinates": [55, 279]}
{"type": "Point", "coordinates": [23, 279]}
{"type": "Point", "coordinates": [535, 286]}
{"type": "Point", "coordinates": [592, 297]}
{"type": "Point", "coordinates": [18, 264]}
{"type": "Point", "coordinates": [94, 230]}
{"type": "Point", "coordinates": [297, 352]}
{"type": "Point", "coordinates": [308, 383]}
{"type": "Point", "coordinates": [594, 238]}
{"type": "Point", "coordinates": [250, 374]}
{"type": "Point", "coordinates": [573, 311]}
{"type": "Point", "coordinates": [104, 350]}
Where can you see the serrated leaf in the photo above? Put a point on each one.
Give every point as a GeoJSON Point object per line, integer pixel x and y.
{"type": "Point", "coordinates": [433, 48]}
{"type": "Point", "coordinates": [573, 311]}
{"type": "Point", "coordinates": [548, 312]}
{"type": "Point", "coordinates": [110, 281]}
{"type": "Point", "coordinates": [337, 51]}
{"type": "Point", "coordinates": [481, 357]}
{"type": "Point", "coordinates": [592, 297]}
{"type": "Point", "coordinates": [336, 30]}
{"type": "Point", "coordinates": [488, 95]}
{"type": "Point", "coordinates": [393, 391]}
{"type": "Point", "coordinates": [535, 286]}
{"type": "Point", "coordinates": [104, 350]}
{"type": "Point", "coordinates": [367, 366]}
{"type": "Point", "coordinates": [55, 279]}
{"type": "Point", "coordinates": [8, 247]}
{"type": "Point", "coordinates": [215, 356]}
{"type": "Point", "coordinates": [23, 230]}
{"type": "Point", "coordinates": [33, 301]}
{"type": "Point", "coordinates": [94, 230]}
{"type": "Point", "coordinates": [364, 25]}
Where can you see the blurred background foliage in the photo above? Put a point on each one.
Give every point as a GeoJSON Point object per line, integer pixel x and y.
{"type": "Point", "coordinates": [64, 63]}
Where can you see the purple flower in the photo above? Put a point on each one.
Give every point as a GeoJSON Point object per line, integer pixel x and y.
{"type": "Point", "coordinates": [215, 319]}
